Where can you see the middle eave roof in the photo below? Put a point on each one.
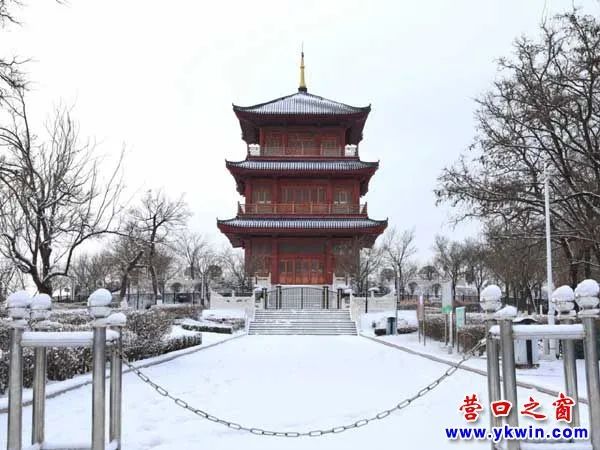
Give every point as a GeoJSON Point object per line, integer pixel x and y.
{"type": "Point", "coordinates": [354, 168]}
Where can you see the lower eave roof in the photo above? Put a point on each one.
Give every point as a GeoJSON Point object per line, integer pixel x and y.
{"type": "Point", "coordinates": [302, 166]}
{"type": "Point", "coordinates": [301, 224]}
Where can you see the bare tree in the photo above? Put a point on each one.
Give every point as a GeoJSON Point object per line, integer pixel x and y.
{"type": "Point", "coordinates": [360, 259]}
{"type": "Point", "coordinates": [237, 274]}
{"type": "Point", "coordinates": [544, 112]}
{"type": "Point", "coordinates": [8, 277]}
{"type": "Point", "coordinates": [52, 196]}
{"type": "Point", "coordinates": [450, 260]}
{"type": "Point", "coordinates": [429, 272]}
{"type": "Point", "coordinates": [398, 248]}
{"type": "Point", "coordinates": [7, 14]}
{"type": "Point", "coordinates": [516, 264]}
{"type": "Point", "coordinates": [156, 218]}
{"type": "Point", "coordinates": [127, 252]}
{"type": "Point", "coordinates": [194, 250]}
{"type": "Point", "coordinates": [476, 264]}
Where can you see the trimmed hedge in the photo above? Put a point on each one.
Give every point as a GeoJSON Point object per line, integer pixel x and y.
{"type": "Point", "coordinates": [207, 328]}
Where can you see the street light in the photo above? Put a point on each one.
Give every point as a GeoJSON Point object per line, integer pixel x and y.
{"type": "Point", "coordinates": [549, 283]}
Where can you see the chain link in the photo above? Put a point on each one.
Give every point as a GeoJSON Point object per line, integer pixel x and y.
{"type": "Point", "coordinates": [313, 433]}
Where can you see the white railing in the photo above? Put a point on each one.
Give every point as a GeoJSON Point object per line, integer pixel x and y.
{"type": "Point", "coordinates": [348, 151]}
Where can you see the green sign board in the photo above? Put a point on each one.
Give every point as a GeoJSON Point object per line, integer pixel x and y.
{"type": "Point", "coordinates": [460, 317]}
{"type": "Point", "coordinates": [446, 309]}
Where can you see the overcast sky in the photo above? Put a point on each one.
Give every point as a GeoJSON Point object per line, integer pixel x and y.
{"type": "Point", "coordinates": [160, 78]}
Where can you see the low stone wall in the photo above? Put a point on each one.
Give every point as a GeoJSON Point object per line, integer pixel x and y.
{"type": "Point", "coordinates": [217, 301]}
{"type": "Point", "coordinates": [374, 304]}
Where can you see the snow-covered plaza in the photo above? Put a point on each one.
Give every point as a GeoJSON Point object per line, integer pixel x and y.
{"type": "Point", "coordinates": [282, 383]}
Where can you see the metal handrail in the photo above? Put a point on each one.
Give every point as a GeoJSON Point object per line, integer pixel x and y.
{"type": "Point", "coordinates": [302, 208]}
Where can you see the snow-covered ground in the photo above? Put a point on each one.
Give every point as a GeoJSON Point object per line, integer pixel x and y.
{"type": "Point", "coordinates": [283, 383]}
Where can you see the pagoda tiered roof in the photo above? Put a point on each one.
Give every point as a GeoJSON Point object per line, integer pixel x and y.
{"type": "Point", "coordinates": [342, 168]}
{"type": "Point", "coordinates": [301, 108]}
{"type": "Point", "coordinates": [237, 227]}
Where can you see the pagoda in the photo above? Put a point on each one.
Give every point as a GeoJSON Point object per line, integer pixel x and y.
{"type": "Point", "coordinates": [302, 180]}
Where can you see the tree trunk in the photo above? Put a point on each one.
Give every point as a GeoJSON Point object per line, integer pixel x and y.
{"type": "Point", "coordinates": [587, 266]}
{"type": "Point", "coordinates": [154, 280]}
{"type": "Point", "coordinates": [573, 265]}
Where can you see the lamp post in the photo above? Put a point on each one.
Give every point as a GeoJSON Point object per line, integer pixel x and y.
{"type": "Point", "coordinates": [397, 302]}
{"type": "Point", "coordinates": [549, 282]}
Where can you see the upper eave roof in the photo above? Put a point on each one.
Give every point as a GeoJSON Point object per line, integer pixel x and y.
{"type": "Point", "coordinates": [303, 109]}
{"type": "Point", "coordinates": [302, 103]}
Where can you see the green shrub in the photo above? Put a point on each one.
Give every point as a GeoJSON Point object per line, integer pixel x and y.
{"type": "Point", "coordinates": [150, 325]}
{"type": "Point", "coordinates": [174, 312]}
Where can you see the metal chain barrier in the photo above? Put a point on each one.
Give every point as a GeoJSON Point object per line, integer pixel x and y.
{"type": "Point", "coordinates": [313, 433]}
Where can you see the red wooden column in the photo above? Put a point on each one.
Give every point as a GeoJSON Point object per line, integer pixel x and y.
{"type": "Point", "coordinates": [356, 193]}
{"type": "Point", "coordinates": [248, 254]}
{"type": "Point", "coordinates": [248, 192]}
{"type": "Point", "coordinates": [274, 261]}
{"type": "Point", "coordinates": [328, 261]}
{"type": "Point", "coordinates": [275, 193]}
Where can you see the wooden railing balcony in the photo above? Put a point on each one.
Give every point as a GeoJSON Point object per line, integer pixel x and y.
{"type": "Point", "coordinates": [349, 151]}
{"type": "Point", "coordinates": [302, 209]}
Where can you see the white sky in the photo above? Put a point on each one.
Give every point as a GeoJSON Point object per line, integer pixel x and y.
{"type": "Point", "coordinates": [160, 77]}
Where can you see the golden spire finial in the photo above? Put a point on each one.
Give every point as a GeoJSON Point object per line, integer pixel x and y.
{"type": "Point", "coordinates": [302, 87]}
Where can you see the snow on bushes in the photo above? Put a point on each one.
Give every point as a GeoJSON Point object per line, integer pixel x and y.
{"type": "Point", "coordinates": [235, 318]}
{"type": "Point", "coordinates": [149, 325]}
{"type": "Point", "coordinates": [206, 326]}
{"type": "Point", "coordinates": [143, 337]}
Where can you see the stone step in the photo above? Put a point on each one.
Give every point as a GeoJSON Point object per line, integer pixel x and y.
{"type": "Point", "coordinates": [318, 312]}
{"type": "Point", "coordinates": [308, 322]}
{"type": "Point", "coordinates": [303, 332]}
{"type": "Point", "coordinates": [301, 316]}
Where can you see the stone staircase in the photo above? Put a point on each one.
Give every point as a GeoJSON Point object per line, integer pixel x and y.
{"type": "Point", "coordinates": [311, 322]}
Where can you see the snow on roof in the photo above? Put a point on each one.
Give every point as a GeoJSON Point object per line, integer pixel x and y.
{"type": "Point", "coordinates": [301, 103]}
{"type": "Point", "coordinates": [313, 223]}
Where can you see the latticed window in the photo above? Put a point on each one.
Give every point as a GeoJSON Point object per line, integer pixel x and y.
{"type": "Point", "coordinates": [261, 195]}
{"type": "Point", "coordinates": [303, 194]}
{"type": "Point", "coordinates": [341, 196]}
{"type": "Point", "coordinates": [330, 146]}
{"type": "Point", "coordinates": [302, 143]}
{"type": "Point", "coordinates": [301, 247]}
{"type": "Point", "coordinates": [273, 143]}
{"type": "Point", "coordinates": [261, 257]}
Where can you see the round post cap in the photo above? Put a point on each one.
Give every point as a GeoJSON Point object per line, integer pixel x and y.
{"type": "Point", "coordinates": [18, 304]}
{"type": "Point", "coordinates": [40, 306]}
{"type": "Point", "coordinates": [98, 303]}
{"type": "Point", "coordinates": [563, 298]}
{"type": "Point", "coordinates": [586, 294]}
